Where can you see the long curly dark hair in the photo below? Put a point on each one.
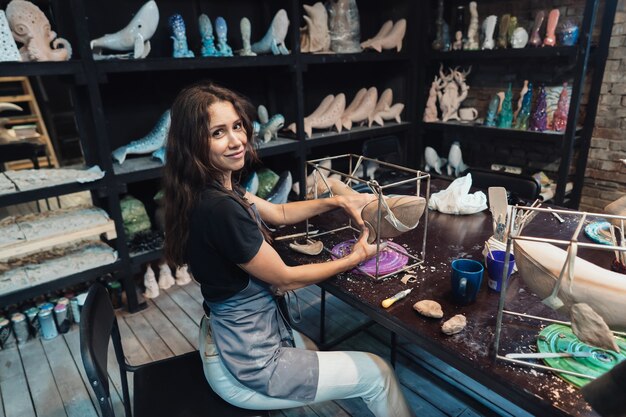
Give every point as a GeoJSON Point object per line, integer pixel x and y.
{"type": "Point", "coordinates": [188, 170]}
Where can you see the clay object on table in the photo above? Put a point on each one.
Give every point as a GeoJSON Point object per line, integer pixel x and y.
{"type": "Point", "coordinates": [274, 39]}
{"type": "Point", "coordinates": [489, 27]}
{"type": "Point", "coordinates": [521, 121]}
{"type": "Point", "coordinates": [511, 30]}
{"type": "Point", "coordinates": [149, 143]}
{"type": "Point", "coordinates": [8, 47]}
{"type": "Point", "coordinates": [553, 19]}
{"type": "Point", "coordinates": [473, 39]}
{"type": "Point", "coordinates": [438, 43]}
{"type": "Point", "coordinates": [590, 328]}
{"type": "Point", "coordinates": [317, 113]}
{"type": "Point", "coordinates": [135, 37]}
{"type": "Point", "coordinates": [455, 160]}
{"type": "Point", "coordinates": [208, 41]}
{"type": "Point", "coordinates": [391, 40]}
{"type": "Point", "coordinates": [539, 265]}
{"type": "Point", "coordinates": [535, 38]}
{"type": "Point", "coordinates": [539, 119]}
{"type": "Point", "coordinates": [312, 247]}
{"type": "Point", "coordinates": [455, 325]}
{"type": "Point", "coordinates": [399, 214]}
{"type": "Point", "coordinates": [430, 111]}
{"type": "Point", "coordinates": [31, 28]}
{"type": "Point", "coordinates": [280, 192]}
{"type": "Point", "coordinates": [7, 135]}
{"type": "Point", "coordinates": [433, 161]}
{"type": "Point", "coordinates": [246, 29]}
{"type": "Point", "coordinates": [617, 208]}
{"type": "Point", "coordinates": [519, 39]}
{"type": "Point", "coordinates": [454, 92]}
{"type": "Point", "coordinates": [492, 111]}
{"type": "Point", "coordinates": [559, 120]}
{"type": "Point", "coordinates": [383, 104]}
{"type": "Point", "coordinates": [429, 308]}
{"type": "Point", "coordinates": [221, 30]}
{"type": "Point", "coordinates": [503, 31]}
{"type": "Point", "coordinates": [314, 36]}
{"type": "Point", "coordinates": [384, 31]}
{"type": "Point", "coordinates": [505, 117]}
{"type": "Point", "coordinates": [567, 32]}
{"type": "Point", "coordinates": [267, 181]}
{"type": "Point", "coordinates": [521, 98]}
{"type": "Point", "coordinates": [344, 26]}
{"type": "Point", "coordinates": [179, 37]}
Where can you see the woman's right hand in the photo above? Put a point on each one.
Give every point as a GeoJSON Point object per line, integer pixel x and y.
{"type": "Point", "coordinates": [362, 250]}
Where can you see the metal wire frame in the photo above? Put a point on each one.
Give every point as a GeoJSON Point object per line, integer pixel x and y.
{"type": "Point", "coordinates": [516, 234]}
{"type": "Point", "coordinates": [354, 162]}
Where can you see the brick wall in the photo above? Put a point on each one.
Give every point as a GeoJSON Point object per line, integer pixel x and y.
{"type": "Point", "coordinates": [605, 177]}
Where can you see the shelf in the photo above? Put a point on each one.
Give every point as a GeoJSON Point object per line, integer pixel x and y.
{"type": "Point", "coordinates": [277, 146]}
{"type": "Point", "coordinates": [138, 169]}
{"type": "Point", "coordinates": [521, 54]}
{"type": "Point", "coordinates": [46, 192]}
{"type": "Point", "coordinates": [71, 67]}
{"type": "Point", "coordinates": [368, 56]}
{"type": "Point", "coordinates": [139, 258]}
{"type": "Point", "coordinates": [170, 64]}
{"type": "Point", "coordinates": [67, 281]}
{"type": "Point", "coordinates": [357, 132]}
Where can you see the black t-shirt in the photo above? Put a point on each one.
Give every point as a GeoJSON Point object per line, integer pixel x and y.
{"type": "Point", "coordinates": [222, 234]}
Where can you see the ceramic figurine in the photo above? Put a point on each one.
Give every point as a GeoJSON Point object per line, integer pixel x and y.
{"type": "Point", "coordinates": [510, 30]}
{"type": "Point", "coordinates": [459, 28]}
{"type": "Point", "coordinates": [166, 280]}
{"type": "Point", "coordinates": [281, 190]}
{"type": "Point", "coordinates": [327, 114]}
{"type": "Point", "coordinates": [473, 41]}
{"type": "Point", "coordinates": [383, 105]}
{"type": "Point", "coordinates": [135, 37]}
{"type": "Point", "coordinates": [246, 29]}
{"type": "Point", "coordinates": [492, 111]}
{"type": "Point", "coordinates": [505, 117]}
{"type": "Point", "coordinates": [567, 33]}
{"type": "Point", "coordinates": [392, 113]}
{"type": "Point", "coordinates": [519, 39]}
{"type": "Point", "coordinates": [433, 161]}
{"type": "Point", "coordinates": [314, 36]}
{"type": "Point", "coordinates": [149, 143]}
{"type": "Point", "coordinates": [221, 30]}
{"type": "Point", "coordinates": [179, 36]}
{"type": "Point", "coordinates": [183, 277]}
{"type": "Point", "coordinates": [274, 39]}
{"type": "Point", "coordinates": [503, 31]}
{"type": "Point", "coordinates": [7, 135]}
{"type": "Point", "coordinates": [159, 155]}
{"type": "Point", "coordinates": [206, 32]}
{"type": "Point", "coordinates": [383, 32]}
{"type": "Point", "coordinates": [455, 160]}
{"type": "Point", "coordinates": [269, 129]}
{"type": "Point", "coordinates": [521, 97]}
{"type": "Point", "coordinates": [393, 39]}
{"type": "Point", "coordinates": [344, 27]}
{"type": "Point", "coordinates": [263, 114]}
{"type": "Point", "coordinates": [539, 118]}
{"type": "Point", "coordinates": [457, 45]}
{"type": "Point", "coordinates": [31, 28]}
{"type": "Point", "coordinates": [447, 44]}
{"type": "Point", "coordinates": [150, 282]}
{"type": "Point", "coordinates": [535, 38]}
{"type": "Point", "coordinates": [521, 120]}
{"type": "Point", "coordinates": [8, 48]}
{"type": "Point", "coordinates": [437, 44]}
{"type": "Point", "coordinates": [553, 19]}
{"type": "Point", "coordinates": [360, 108]}
{"type": "Point", "coordinates": [489, 26]}
{"type": "Point", "coordinates": [454, 92]}
{"type": "Point", "coordinates": [559, 120]}
{"type": "Point", "coordinates": [430, 112]}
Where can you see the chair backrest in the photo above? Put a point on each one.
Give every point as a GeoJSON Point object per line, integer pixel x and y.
{"type": "Point", "coordinates": [522, 186]}
{"type": "Point", "coordinates": [97, 325]}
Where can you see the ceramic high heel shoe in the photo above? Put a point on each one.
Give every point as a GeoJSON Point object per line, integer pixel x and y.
{"type": "Point", "coordinates": [399, 214]}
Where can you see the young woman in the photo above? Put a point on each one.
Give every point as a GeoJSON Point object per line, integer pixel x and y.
{"type": "Point", "coordinates": [252, 358]}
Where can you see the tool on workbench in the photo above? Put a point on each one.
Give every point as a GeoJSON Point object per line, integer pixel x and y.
{"type": "Point", "coordinates": [399, 296]}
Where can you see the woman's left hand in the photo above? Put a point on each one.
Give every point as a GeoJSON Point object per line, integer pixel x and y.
{"type": "Point", "coordinates": [353, 205]}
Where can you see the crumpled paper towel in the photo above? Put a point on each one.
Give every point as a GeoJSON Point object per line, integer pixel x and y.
{"type": "Point", "coordinates": [456, 200]}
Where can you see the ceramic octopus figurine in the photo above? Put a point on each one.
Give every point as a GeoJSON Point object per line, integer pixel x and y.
{"type": "Point", "coordinates": [208, 41]}
{"type": "Point", "coordinates": [31, 27]}
{"type": "Point", "coordinates": [221, 30]}
{"type": "Point", "coordinates": [179, 36]}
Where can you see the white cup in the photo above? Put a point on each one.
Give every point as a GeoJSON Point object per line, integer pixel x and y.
{"type": "Point", "coordinates": [468, 113]}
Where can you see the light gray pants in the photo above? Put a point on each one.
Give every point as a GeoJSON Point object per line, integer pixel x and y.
{"type": "Point", "coordinates": [341, 375]}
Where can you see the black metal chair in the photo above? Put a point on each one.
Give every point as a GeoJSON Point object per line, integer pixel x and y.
{"type": "Point", "coordinates": [173, 387]}
{"type": "Point", "coordinates": [518, 186]}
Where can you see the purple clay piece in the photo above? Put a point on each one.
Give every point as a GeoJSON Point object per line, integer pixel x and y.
{"type": "Point", "coordinates": [535, 38]}
{"type": "Point", "coordinates": [390, 260]}
{"type": "Point", "coordinates": [539, 119]}
{"type": "Point", "coordinates": [559, 121]}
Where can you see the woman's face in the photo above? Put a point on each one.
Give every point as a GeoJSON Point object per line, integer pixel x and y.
{"type": "Point", "coordinates": [228, 138]}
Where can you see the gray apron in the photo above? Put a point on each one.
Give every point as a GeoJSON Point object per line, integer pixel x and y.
{"type": "Point", "coordinates": [256, 345]}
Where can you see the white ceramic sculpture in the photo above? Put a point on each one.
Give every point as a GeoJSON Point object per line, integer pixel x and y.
{"type": "Point", "coordinates": [384, 104]}
{"type": "Point", "coordinates": [384, 31]}
{"type": "Point", "coordinates": [489, 27]}
{"type": "Point", "coordinates": [327, 114]}
{"type": "Point", "coordinates": [314, 36]}
{"type": "Point", "coordinates": [166, 280]}
{"type": "Point", "coordinates": [430, 112]}
{"type": "Point", "coordinates": [540, 265]}
{"type": "Point", "coordinates": [7, 135]}
{"type": "Point", "coordinates": [150, 282]}
{"type": "Point", "coordinates": [472, 32]}
{"type": "Point", "coordinates": [360, 108]}
{"type": "Point", "coordinates": [392, 113]}
{"type": "Point", "coordinates": [553, 19]}
{"type": "Point", "coordinates": [521, 98]}
{"type": "Point", "coordinates": [393, 39]}
{"type": "Point", "coordinates": [8, 48]}
{"type": "Point", "coordinates": [455, 160]}
{"type": "Point", "coordinates": [246, 30]}
{"type": "Point", "coordinates": [183, 277]}
{"type": "Point", "coordinates": [520, 38]}
{"type": "Point", "coordinates": [455, 90]}
{"type": "Point", "coordinates": [31, 28]}
{"type": "Point", "coordinates": [135, 37]}
{"type": "Point", "coordinates": [433, 161]}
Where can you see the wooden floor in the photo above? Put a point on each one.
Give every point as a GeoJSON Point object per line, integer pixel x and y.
{"type": "Point", "coordinates": [46, 378]}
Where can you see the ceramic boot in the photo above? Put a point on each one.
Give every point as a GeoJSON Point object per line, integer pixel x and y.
{"type": "Point", "coordinates": [398, 215]}
{"type": "Point", "coordinates": [182, 275]}
{"type": "Point", "coordinates": [166, 279]}
{"type": "Point", "coordinates": [149, 281]}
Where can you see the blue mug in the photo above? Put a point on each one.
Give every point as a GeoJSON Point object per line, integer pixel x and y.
{"type": "Point", "coordinates": [495, 268]}
{"type": "Point", "coordinates": [467, 276]}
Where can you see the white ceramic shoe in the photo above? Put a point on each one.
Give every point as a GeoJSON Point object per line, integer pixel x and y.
{"type": "Point", "coordinates": [166, 279]}
{"type": "Point", "coordinates": [150, 282]}
{"type": "Point", "coordinates": [182, 275]}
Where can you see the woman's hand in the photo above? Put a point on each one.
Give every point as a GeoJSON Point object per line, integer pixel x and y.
{"type": "Point", "coordinates": [353, 205]}
{"type": "Point", "coordinates": [362, 250]}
